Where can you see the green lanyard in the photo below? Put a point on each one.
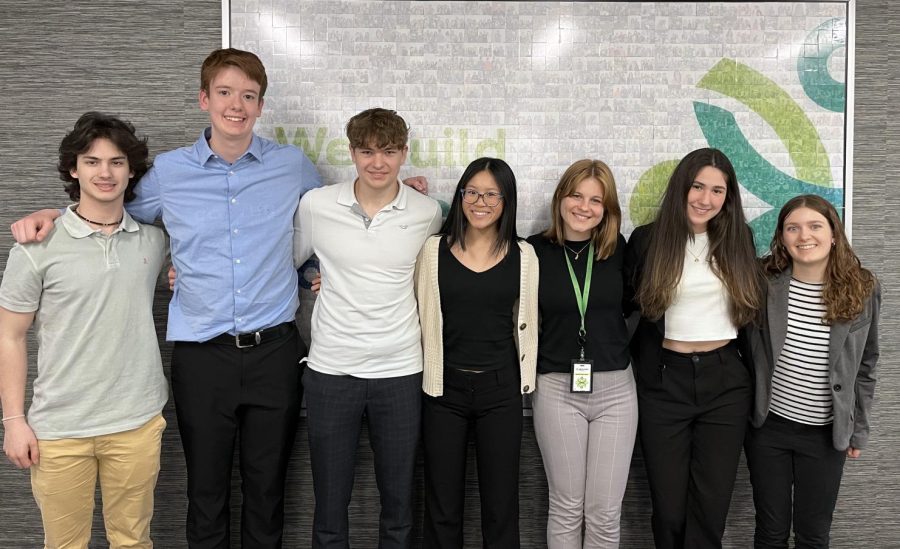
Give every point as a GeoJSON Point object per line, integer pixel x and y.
{"type": "Point", "coordinates": [581, 296]}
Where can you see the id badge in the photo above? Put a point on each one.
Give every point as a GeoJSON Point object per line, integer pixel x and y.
{"type": "Point", "coordinates": [581, 380]}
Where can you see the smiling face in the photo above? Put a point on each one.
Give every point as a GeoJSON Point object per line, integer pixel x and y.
{"type": "Point", "coordinates": [480, 216]}
{"type": "Point", "coordinates": [233, 102]}
{"type": "Point", "coordinates": [582, 210]}
{"type": "Point", "coordinates": [102, 173]}
{"type": "Point", "coordinates": [376, 167]}
{"type": "Point", "coordinates": [808, 238]}
{"type": "Point", "coordinates": [706, 197]}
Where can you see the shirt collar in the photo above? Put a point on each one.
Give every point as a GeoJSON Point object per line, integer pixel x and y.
{"type": "Point", "coordinates": [77, 228]}
{"type": "Point", "coordinates": [347, 197]}
{"type": "Point", "coordinates": [204, 152]}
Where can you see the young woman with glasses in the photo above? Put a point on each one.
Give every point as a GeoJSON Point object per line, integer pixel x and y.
{"type": "Point", "coordinates": [476, 283]}
{"type": "Point", "coordinates": [585, 405]}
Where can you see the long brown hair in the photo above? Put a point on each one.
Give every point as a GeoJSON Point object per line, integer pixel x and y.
{"type": "Point", "coordinates": [730, 244]}
{"type": "Point", "coordinates": [847, 283]}
{"type": "Point", "coordinates": [605, 235]}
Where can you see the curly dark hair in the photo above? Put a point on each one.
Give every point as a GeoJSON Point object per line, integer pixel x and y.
{"type": "Point", "coordinates": [95, 125]}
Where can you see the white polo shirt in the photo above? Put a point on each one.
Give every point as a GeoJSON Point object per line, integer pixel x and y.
{"type": "Point", "coordinates": [365, 321]}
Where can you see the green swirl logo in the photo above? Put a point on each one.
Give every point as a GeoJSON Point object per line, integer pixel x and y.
{"type": "Point", "coordinates": [780, 111]}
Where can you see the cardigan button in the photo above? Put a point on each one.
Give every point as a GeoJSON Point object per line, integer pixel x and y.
{"type": "Point", "coordinates": [526, 388]}
{"type": "Point", "coordinates": [523, 358]}
{"type": "Point", "coordinates": [522, 326]}
{"type": "Point", "coordinates": [837, 387]}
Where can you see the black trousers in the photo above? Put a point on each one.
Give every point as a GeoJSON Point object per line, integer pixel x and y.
{"type": "Point", "coordinates": [693, 415]}
{"type": "Point", "coordinates": [223, 393]}
{"type": "Point", "coordinates": [335, 409]}
{"type": "Point", "coordinates": [489, 403]}
{"type": "Point", "coordinates": [795, 472]}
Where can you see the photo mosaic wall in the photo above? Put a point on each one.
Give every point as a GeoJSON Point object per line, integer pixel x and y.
{"type": "Point", "coordinates": [542, 84]}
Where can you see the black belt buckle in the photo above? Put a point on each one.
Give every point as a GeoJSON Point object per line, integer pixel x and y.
{"type": "Point", "coordinates": [257, 339]}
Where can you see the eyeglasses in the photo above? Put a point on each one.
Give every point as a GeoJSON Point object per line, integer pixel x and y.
{"type": "Point", "coordinates": [490, 198]}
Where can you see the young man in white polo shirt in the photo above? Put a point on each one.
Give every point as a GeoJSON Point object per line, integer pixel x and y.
{"type": "Point", "coordinates": [99, 392]}
{"type": "Point", "coordinates": [366, 356]}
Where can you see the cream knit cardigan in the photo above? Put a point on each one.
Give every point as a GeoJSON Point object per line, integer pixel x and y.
{"type": "Point", "coordinates": [432, 320]}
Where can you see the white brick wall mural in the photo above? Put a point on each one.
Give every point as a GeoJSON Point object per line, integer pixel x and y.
{"type": "Point", "coordinates": [542, 84]}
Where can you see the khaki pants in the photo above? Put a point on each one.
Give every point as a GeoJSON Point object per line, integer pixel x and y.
{"type": "Point", "coordinates": [64, 480]}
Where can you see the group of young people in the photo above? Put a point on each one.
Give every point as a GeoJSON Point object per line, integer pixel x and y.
{"type": "Point", "coordinates": [426, 329]}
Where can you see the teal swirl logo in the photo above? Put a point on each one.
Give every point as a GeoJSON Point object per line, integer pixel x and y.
{"type": "Point", "coordinates": [782, 113]}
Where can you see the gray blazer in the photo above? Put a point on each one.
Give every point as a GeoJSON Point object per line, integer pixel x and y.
{"type": "Point", "coordinates": [853, 354]}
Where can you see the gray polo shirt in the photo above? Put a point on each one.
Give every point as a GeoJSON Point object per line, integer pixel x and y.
{"type": "Point", "coordinates": [99, 368]}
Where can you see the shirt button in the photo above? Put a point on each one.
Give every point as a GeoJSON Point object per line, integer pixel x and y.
{"type": "Point", "coordinates": [237, 260]}
{"type": "Point", "coordinates": [234, 200]}
{"type": "Point", "coordinates": [230, 173]}
{"type": "Point", "coordinates": [235, 231]}
{"type": "Point", "coordinates": [238, 291]}
{"type": "Point", "coordinates": [837, 387]}
{"type": "Point", "coordinates": [695, 359]}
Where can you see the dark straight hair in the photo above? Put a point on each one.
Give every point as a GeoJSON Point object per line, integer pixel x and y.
{"type": "Point", "coordinates": [456, 223]}
{"type": "Point", "coordinates": [730, 243]}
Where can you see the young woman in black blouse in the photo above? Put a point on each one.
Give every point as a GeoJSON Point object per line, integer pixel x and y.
{"type": "Point", "coordinates": [585, 405]}
{"type": "Point", "coordinates": [476, 284]}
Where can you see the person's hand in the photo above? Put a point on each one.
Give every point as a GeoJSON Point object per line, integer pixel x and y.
{"type": "Point", "coordinates": [419, 183]}
{"type": "Point", "coordinates": [171, 277]}
{"type": "Point", "coordinates": [19, 443]}
{"type": "Point", "coordinates": [316, 284]}
{"type": "Point", "coordinates": [34, 227]}
{"type": "Point", "coordinates": [853, 453]}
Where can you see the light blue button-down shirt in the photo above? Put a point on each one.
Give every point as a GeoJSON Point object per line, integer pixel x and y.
{"type": "Point", "coordinates": [231, 232]}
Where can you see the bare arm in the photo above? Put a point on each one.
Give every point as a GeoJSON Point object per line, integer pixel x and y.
{"type": "Point", "coordinates": [34, 227]}
{"type": "Point", "coordinates": [19, 443]}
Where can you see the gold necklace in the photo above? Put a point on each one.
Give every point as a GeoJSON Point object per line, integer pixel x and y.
{"type": "Point", "coordinates": [578, 253]}
{"type": "Point", "coordinates": [696, 256]}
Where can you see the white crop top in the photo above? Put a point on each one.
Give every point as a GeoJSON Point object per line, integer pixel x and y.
{"type": "Point", "coordinates": [699, 311]}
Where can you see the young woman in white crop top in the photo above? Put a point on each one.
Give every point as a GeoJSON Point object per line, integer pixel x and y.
{"type": "Point", "coordinates": [697, 285]}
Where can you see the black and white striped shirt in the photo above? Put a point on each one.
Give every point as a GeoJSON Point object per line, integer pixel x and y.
{"type": "Point", "coordinates": [801, 390]}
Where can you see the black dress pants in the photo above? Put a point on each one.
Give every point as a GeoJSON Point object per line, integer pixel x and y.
{"type": "Point", "coordinates": [795, 472]}
{"type": "Point", "coordinates": [490, 403]}
{"type": "Point", "coordinates": [693, 416]}
{"type": "Point", "coordinates": [223, 393]}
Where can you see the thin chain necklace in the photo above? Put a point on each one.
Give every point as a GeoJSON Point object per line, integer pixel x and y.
{"type": "Point", "coordinates": [114, 223]}
{"type": "Point", "coordinates": [697, 255]}
{"type": "Point", "coordinates": [578, 253]}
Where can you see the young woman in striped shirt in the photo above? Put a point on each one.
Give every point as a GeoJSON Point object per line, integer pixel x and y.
{"type": "Point", "coordinates": [815, 384]}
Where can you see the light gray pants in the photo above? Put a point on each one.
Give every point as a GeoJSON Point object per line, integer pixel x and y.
{"type": "Point", "coordinates": [586, 442]}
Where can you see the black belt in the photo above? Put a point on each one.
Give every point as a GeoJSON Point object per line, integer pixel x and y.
{"type": "Point", "coordinates": [252, 339]}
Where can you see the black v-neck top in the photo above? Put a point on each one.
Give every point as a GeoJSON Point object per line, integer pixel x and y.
{"type": "Point", "coordinates": [477, 311]}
